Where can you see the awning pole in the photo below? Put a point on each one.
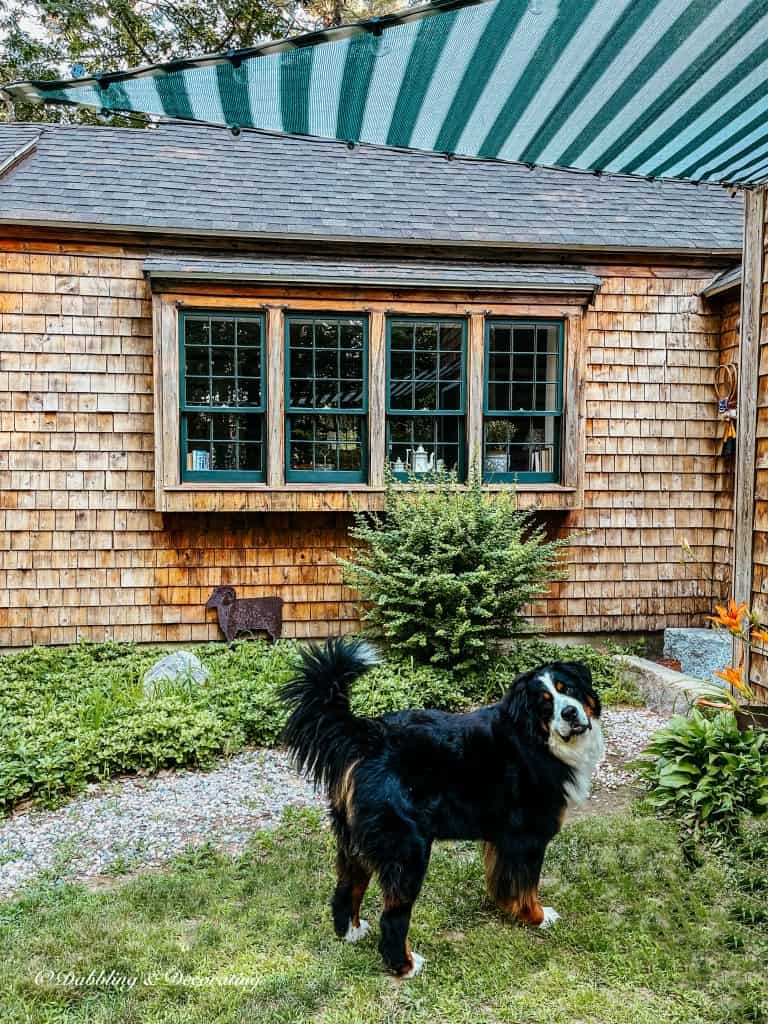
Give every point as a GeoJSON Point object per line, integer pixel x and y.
{"type": "Point", "coordinates": [746, 423]}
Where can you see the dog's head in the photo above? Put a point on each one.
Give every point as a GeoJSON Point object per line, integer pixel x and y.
{"type": "Point", "coordinates": [554, 704]}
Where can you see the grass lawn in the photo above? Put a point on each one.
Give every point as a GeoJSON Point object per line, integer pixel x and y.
{"type": "Point", "coordinates": [644, 939]}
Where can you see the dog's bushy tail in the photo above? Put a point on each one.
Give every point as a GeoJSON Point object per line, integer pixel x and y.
{"type": "Point", "coordinates": [322, 733]}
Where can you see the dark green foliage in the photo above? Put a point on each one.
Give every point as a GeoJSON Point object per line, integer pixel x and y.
{"type": "Point", "coordinates": [704, 772]}
{"type": "Point", "coordinates": [67, 716]}
{"type": "Point", "coordinates": [79, 713]}
{"type": "Point", "coordinates": [446, 571]}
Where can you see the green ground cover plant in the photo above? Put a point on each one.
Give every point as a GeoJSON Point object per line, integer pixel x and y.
{"type": "Point", "coordinates": [644, 939]}
{"type": "Point", "coordinates": [70, 715]}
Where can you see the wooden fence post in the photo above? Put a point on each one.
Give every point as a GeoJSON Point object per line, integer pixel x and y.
{"type": "Point", "coordinates": [746, 424]}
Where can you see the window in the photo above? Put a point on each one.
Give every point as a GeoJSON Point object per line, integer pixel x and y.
{"type": "Point", "coordinates": [326, 398]}
{"type": "Point", "coordinates": [523, 400]}
{"type": "Point", "coordinates": [222, 396]}
{"type": "Point", "coordinates": [425, 396]}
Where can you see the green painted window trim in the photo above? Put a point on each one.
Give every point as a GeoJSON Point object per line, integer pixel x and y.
{"type": "Point", "coordinates": [223, 476]}
{"type": "Point", "coordinates": [460, 413]}
{"type": "Point", "coordinates": [315, 476]}
{"type": "Point", "coordinates": [498, 414]}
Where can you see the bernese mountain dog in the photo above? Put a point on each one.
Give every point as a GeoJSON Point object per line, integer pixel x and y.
{"type": "Point", "coordinates": [503, 774]}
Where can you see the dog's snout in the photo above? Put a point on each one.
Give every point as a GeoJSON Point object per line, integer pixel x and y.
{"type": "Point", "coordinates": [570, 713]}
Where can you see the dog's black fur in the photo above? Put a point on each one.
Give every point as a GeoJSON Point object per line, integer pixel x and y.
{"type": "Point", "coordinates": [398, 782]}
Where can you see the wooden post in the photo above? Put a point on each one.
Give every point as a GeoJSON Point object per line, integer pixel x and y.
{"type": "Point", "coordinates": [746, 423]}
{"type": "Point", "coordinates": [275, 398]}
{"type": "Point", "coordinates": [157, 398]}
{"type": "Point", "coordinates": [475, 362]}
{"type": "Point", "coordinates": [169, 342]}
{"type": "Point", "coordinates": [571, 470]}
{"type": "Point", "coordinates": [377, 387]}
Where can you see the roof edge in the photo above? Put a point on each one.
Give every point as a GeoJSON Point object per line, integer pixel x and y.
{"type": "Point", "coordinates": [587, 288]}
{"type": "Point", "coordinates": [731, 252]}
{"type": "Point", "coordinates": [727, 281]}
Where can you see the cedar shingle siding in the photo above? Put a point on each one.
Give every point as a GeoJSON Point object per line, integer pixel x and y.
{"type": "Point", "coordinates": [83, 554]}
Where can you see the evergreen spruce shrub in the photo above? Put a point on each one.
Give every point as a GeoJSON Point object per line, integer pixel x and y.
{"type": "Point", "coordinates": [445, 571]}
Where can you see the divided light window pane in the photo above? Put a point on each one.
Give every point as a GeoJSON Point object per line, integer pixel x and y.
{"type": "Point", "coordinates": [425, 397]}
{"type": "Point", "coordinates": [326, 366]}
{"type": "Point", "coordinates": [223, 396]}
{"type": "Point", "coordinates": [523, 401]}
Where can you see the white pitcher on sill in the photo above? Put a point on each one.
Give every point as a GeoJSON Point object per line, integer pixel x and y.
{"type": "Point", "coordinates": [421, 462]}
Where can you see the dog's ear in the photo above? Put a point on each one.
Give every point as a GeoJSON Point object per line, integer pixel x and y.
{"type": "Point", "coordinates": [519, 706]}
{"type": "Point", "coordinates": [583, 676]}
{"type": "Point", "coordinates": [580, 669]}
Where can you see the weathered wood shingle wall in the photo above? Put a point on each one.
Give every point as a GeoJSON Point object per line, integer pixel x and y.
{"type": "Point", "coordinates": [723, 551]}
{"type": "Point", "coordinates": [83, 554]}
{"type": "Point", "coordinates": [652, 482]}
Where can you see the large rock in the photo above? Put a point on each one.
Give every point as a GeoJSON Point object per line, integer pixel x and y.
{"type": "Point", "coordinates": [181, 666]}
{"type": "Point", "coordinates": [701, 652]}
{"type": "Point", "coordinates": [666, 692]}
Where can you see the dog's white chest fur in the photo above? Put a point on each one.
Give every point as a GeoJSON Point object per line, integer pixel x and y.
{"type": "Point", "coordinates": [582, 753]}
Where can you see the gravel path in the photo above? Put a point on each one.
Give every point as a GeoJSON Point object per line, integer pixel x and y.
{"type": "Point", "coordinates": [126, 824]}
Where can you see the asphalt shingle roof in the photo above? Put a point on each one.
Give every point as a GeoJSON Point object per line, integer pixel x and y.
{"type": "Point", "coordinates": [194, 179]}
{"type": "Point", "coordinates": [384, 272]}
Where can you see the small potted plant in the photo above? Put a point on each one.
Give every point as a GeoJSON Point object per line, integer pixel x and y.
{"type": "Point", "coordinates": [739, 696]}
{"type": "Point", "coordinates": [498, 434]}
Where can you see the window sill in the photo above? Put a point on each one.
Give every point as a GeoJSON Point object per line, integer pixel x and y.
{"type": "Point", "coordinates": [332, 497]}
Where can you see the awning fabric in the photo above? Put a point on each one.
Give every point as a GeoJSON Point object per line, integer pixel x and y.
{"type": "Point", "coordinates": [660, 88]}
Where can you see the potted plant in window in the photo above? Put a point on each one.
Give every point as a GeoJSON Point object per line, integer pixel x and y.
{"type": "Point", "coordinates": [498, 434]}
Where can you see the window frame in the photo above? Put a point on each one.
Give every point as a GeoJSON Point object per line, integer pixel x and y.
{"type": "Point", "coordinates": [554, 477]}
{"type": "Point", "coordinates": [297, 476]}
{"type": "Point", "coordinates": [185, 410]}
{"type": "Point", "coordinates": [460, 414]}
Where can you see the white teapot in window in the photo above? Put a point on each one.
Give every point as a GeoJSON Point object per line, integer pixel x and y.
{"type": "Point", "coordinates": [421, 462]}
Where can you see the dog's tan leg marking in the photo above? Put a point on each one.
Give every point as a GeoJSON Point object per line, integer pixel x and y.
{"type": "Point", "coordinates": [524, 904]}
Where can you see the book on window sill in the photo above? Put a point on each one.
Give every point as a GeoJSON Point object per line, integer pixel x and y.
{"type": "Point", "coordinates": [198, 461]}
{"type": "Point", "coordinates": [542, 460]}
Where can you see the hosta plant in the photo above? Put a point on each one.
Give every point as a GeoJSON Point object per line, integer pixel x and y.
{"type": "Point", "coordinates": [703, 771]}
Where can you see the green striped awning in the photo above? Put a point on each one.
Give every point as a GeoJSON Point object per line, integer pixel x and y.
{"type": "Point", "coordinates": [660, 88]}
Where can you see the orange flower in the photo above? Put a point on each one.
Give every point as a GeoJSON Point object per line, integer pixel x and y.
{"type": "Point", "coordinates": [730, 617]}
{"type": "Point", "coordinates": [732, 676]}
{"type": "Point", "coordinates": [761, 635]}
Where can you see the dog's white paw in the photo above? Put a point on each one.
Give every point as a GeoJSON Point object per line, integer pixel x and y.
{"type": "Point", "coordinates": [418, 963]}
{"type": "Point", "coordinates": [354, 934]}
{"type": "Point", "coordinates": [550, 916]}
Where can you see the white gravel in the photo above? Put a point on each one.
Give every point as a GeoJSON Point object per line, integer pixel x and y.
{"type": "Point", "coordinates": [143, 822]}
{"type": "Point", "coordinates": [130, 823]}
{"type": "Point", "coordinates": [627, 732]}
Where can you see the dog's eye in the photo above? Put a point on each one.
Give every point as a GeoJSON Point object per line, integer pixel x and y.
{"type": "Point", "coordinates": [560, 687]}
{"type": "Point", "coordinates": [546, 695]}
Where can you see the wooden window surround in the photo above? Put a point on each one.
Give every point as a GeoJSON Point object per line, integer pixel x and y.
{"type": "Point", "coordinates": [380, 308]}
